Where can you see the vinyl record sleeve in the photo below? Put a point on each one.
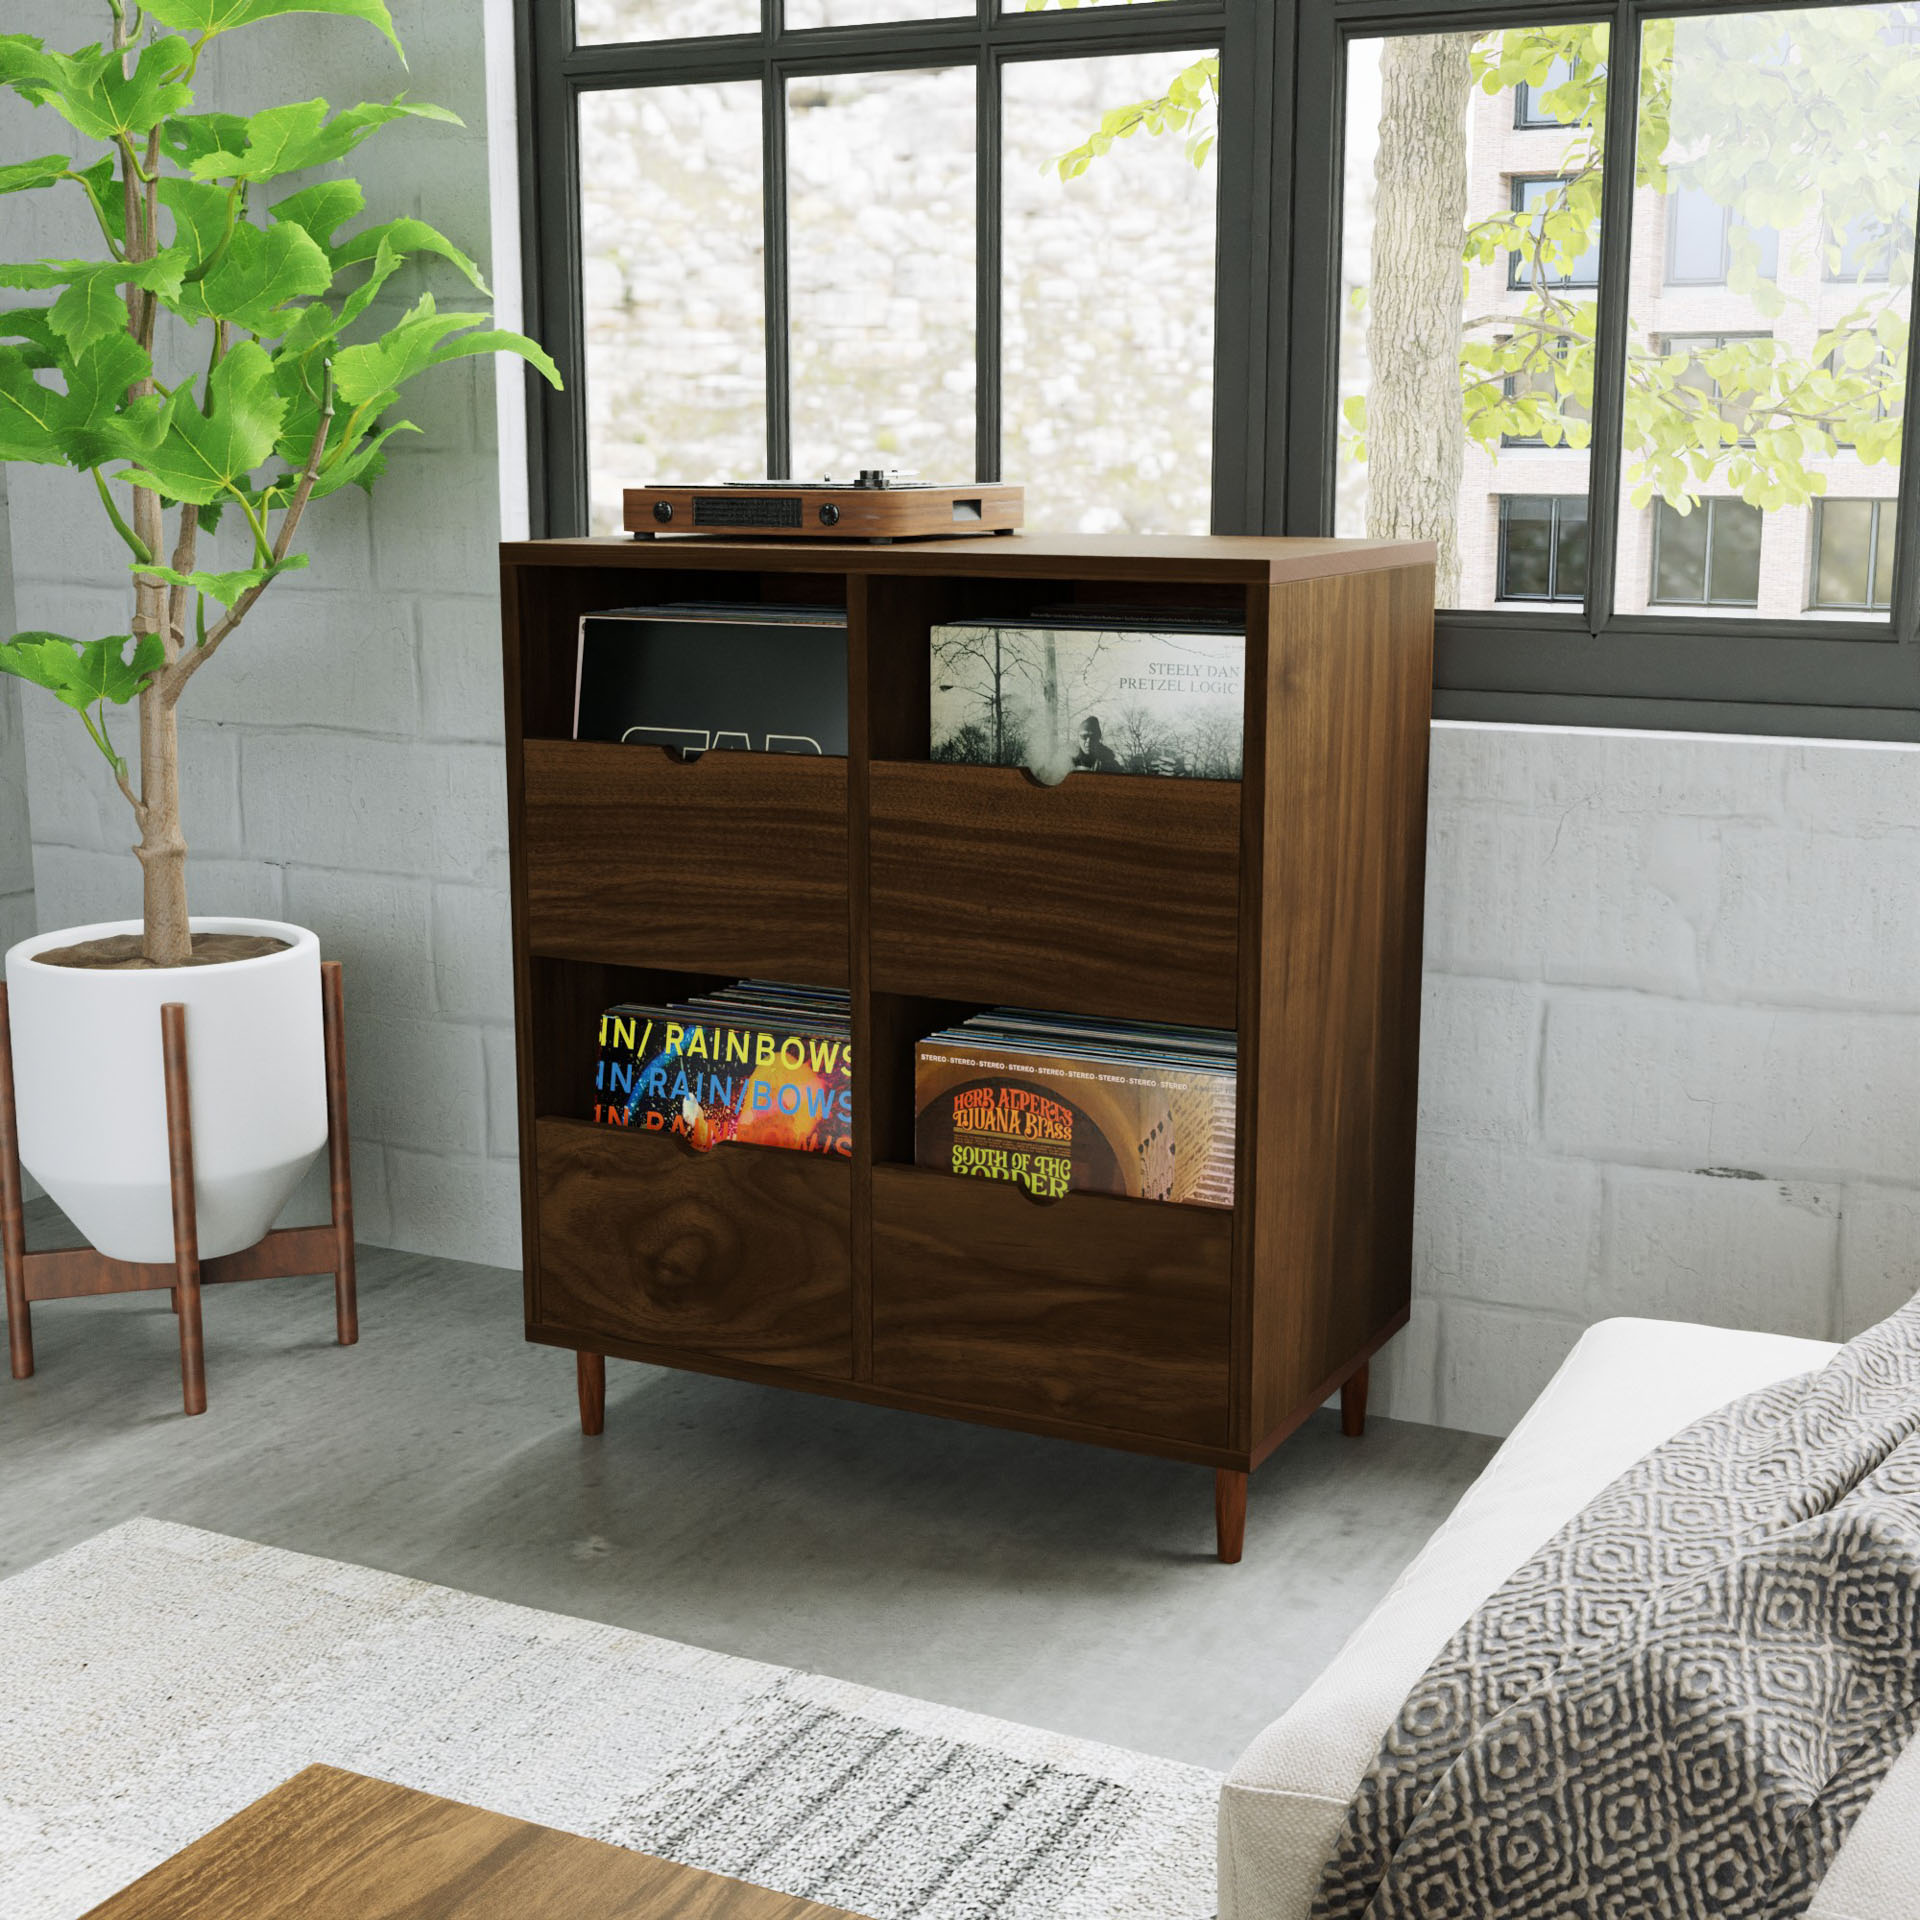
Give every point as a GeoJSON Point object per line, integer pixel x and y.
{"type": "Point", "coordinates": [719, 679]}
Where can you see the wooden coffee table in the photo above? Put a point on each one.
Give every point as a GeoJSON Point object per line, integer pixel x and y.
{"type": "Point", "coordinates": [337, 1846]}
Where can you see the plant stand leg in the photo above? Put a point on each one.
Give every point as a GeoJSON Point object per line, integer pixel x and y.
{"type": "Point", "coordinates": [13, 1230]}
{"type": "Point", "coordinates": [591, 1370]}
{"type": "Point", "coordinates": [1230, 1513]}
{"type": "Point", "coordinates": [346, 1299]}
{"type": "Point", "coordinates": [1353, 1403]}
{"type": "Point", "coordinates": [186, 1235]}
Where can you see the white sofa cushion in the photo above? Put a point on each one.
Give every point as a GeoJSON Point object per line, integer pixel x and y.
{"type": "Point", "coordinates": [1627, 1386]}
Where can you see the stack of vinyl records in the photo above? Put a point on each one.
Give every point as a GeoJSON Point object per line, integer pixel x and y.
{"type": "Point", "coordinates": [1067, 1105]}
{"type": "Point", "coordinates": [759, 1062]}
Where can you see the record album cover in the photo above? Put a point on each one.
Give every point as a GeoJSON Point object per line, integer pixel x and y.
{"type": "Point", "coordinates": [1060, 698]}
{"type": "Point", "coordinates": [772, 1072]}
{"type": "Point", "coordinates": [1061, 1122]}
{"type": "Point", "coordinates": [757, 679]}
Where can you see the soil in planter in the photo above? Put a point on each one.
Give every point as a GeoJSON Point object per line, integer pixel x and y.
{"type": "Point", "coordinates": [120, 952]}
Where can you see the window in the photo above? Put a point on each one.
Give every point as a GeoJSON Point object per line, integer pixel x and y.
{"type": "Point", "coordinates": [1529, 106]}
{"type": "Point", "coordinates": [1702, 239]}
{"type": "Point", "coordinates": [1544, 260]}
{"type": "Point", "coordinates": [1709, 557]}
{"type": "Point", "coordinates": [1543, 547]}
{"type": "Point", "coordinates": [775, 235]}
{"type": "Point", "coordinates": [1852, 554]}
{"type": "Point", "coordinates": [962, 241]}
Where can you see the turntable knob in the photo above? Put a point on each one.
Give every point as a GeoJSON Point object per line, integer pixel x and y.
{"type": "Point", "coordinates": [829, 515]}
{"type": "Point", "coordinates": [663, 511]}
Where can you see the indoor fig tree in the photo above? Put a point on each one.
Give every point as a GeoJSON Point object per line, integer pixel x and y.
{"type": "Point", "coordinates": [222, 354]}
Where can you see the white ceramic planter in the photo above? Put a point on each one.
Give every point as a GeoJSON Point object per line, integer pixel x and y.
{"type": "Point", "coordinates": [91, 1095]}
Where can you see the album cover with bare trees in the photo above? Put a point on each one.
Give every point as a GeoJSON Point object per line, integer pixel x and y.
{"type": "Point", "coordinates": [1060, 698]}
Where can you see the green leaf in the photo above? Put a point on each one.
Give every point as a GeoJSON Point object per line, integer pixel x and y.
{"type": "Point", "coordinates": [98, 423]}
{"type": "Point", "coordinates": [26, 174]}
{"type": "Point", "coordinates": [31, 325]}
{"type": "Point", "coordinates": [188, 137]}
{"type": "Point", "coordinates": [293, 138]}
{"type": "Point", "coordinates": [405, 237]}
{"type": "Point", "coordinates": [363, 465]}
{"type": "Point", "coordinates": [203, 216]}
{"type": "Point", "coordinates": [322, 209]}
{"type": "Point", "coordinates": [98, 98]}
{"type": "Point", "coordinates": [94, 303]}
{"type": "Point", "coordinates": [221, 16]}
{"type": "Point", "coordinates": [223, 587]}
{"type": "Point", "coordinates": [426, 338]}
{"type": "Point", "coordinates": [80, 674]}
{"type": "Point", "coordinates": [204, 455]}
{"type": "Point", "coordinates": [261, 273]}
{"type": "Point", "coordinates": [26, 65]}
{"type": "Point", "coordinates": [29, 413]}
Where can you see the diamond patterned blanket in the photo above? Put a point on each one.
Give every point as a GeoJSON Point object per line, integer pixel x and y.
{"type": "Point", "coordinates": [1681, 1703]}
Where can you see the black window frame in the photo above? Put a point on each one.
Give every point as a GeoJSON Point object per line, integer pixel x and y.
{"type": "Point", "coordinates": [1555, 515]}
{"type": "Point", "coordinates": [1878, 530]}
{"type": "Point", "coordinates": [1277, 332]}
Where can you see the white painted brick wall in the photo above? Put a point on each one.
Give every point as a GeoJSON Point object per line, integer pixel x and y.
{"type": "Point", "coordinates": [342, 757]}
{"type": "Point", "coordinates": [1671, 1062]}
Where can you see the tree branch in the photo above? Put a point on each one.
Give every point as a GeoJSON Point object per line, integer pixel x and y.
{"type": "Point", "coordinates": [175, 638]}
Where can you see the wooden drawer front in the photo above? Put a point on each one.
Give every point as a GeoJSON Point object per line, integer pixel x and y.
{"type": "Point", "coordinates": [741, 1253]}
{"type": "Point", "coordinates": [1110, 1313]}
{"type": "Point", "coordinates": [734, 863]}
{"type": "Point", "coordinates": [1106, 894]}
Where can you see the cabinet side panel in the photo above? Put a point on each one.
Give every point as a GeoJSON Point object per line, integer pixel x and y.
{"type": "Point", "coordinates": [1350, 677]}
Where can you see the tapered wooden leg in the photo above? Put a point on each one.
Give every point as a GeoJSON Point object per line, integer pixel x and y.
{"type": "Point", "coordinates": [13, 1227]}
{"type": "Point", "coordinates": [1353, 1403]}
{"type": "Point", "coordinates": [186, 1232]}
{"type": "Point", "coordinates": [346, 1299]}
{"type": "Point", "coordinates": [591, 1370]}
{"type": "Point", "coordinates": [1230, 1513]}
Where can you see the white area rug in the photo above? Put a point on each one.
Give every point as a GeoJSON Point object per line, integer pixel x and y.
{"type": "Point", "coordinates": [157, 1679]}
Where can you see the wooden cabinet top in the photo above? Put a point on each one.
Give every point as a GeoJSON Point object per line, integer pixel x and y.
{"type": "Point", "coordinates": [1167, 558]}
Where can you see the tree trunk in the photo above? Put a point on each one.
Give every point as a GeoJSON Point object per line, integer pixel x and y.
{"type": "Point", "coordinates": [1415, 441]}
{"type": "Point", "coordinates": [163, 847]}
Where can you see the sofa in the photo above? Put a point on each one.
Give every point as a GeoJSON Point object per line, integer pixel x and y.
{"type": "Point", "coordinates": [1627, 1386]}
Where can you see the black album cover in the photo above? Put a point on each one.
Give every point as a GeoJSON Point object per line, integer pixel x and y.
{"type": "Point", "coordinates": [753, 679]}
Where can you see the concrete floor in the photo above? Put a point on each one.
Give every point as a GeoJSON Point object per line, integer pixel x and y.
{"type": "Point", "coordinates": [1061, 1585]}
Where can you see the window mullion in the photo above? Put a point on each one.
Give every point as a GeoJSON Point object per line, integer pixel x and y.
{"type": "Point", "coordinates": [1617, 178]}
{"type": "Point", "coordinates": [773, 153]}
{"type": "Point", "coordinates": [988, 305]}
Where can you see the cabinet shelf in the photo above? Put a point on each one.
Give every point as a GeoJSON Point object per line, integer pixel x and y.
{"type": "Point", "coordinates": [1285, 905]}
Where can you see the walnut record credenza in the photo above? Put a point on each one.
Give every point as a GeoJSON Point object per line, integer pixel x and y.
{"type": "Point", "coordinates": [1286, 905]}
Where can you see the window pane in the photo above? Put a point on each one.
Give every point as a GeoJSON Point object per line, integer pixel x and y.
{"type": "Point", "coordinates": [1680, 556]}
{"type": "Point", "coordinates": [880, 239]}
{"type": "Point", "coordinates": [1797, 135]}
{"type": "Point", "coordinates": [1050, 6]}
{"type": "Point", "coordinates": [1453, 395]}
{"type": "Point", "coordinates": [1842, 556]}
{"type": "Point", "coordinates": [1883, 513]}
{"type": "Point", "coordinates": [596, 22]}
{"type": "Point", "coordinates": [1107, 298]}
{"type": "Point", "coordinates": [1570, 551]}
{"type": "Point", "coordinates": [1733, 553]}
{"type": "Point", "coordinates": [860, 13]}
{"type": "Point", "coordinates": [672, 256]}
{"type": "Point", "coordinates": [1528, 572]}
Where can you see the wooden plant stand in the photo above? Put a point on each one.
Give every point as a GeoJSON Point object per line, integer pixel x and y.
{"type": "Point", "coordinates": [72, 1273]}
